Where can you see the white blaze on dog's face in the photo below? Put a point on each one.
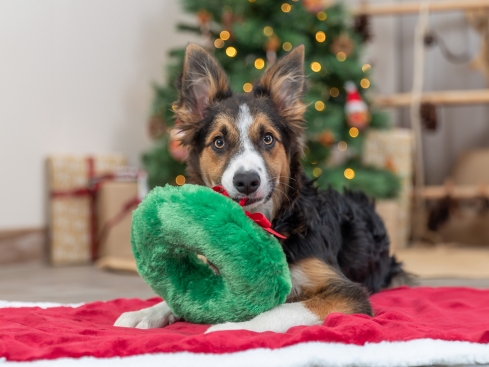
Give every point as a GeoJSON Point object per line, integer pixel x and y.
{"type": "Point", "coordinates": [243, 142]}
{"type": "Point", "coordinates": [246, 174]}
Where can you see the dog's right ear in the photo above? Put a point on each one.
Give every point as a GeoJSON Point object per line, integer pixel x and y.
{"type": "Point", "coordinates": [202, 82]}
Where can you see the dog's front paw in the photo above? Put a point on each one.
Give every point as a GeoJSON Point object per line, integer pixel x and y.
{"type": "Point", "coordinates": [143, 320]}
{"type": "Point", "coordinates": [156, 316]}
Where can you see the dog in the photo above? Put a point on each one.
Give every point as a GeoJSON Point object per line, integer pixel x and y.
{"type": "Point", "coordinates": [337, 247]}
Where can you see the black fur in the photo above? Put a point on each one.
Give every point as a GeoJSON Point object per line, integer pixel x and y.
{"type": "Point", "coordinates": [344, 231]}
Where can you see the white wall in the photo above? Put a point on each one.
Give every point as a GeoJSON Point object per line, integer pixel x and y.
{"type": "Point", "coordinates": [75, 77]}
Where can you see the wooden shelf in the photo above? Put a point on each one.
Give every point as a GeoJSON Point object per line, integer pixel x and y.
{"type": "Point", "coordinates": [414, 7]}
{"type": "Point", "coordinates": [455, 191]}
{"type": "Point", "coordinates": [457, 97]}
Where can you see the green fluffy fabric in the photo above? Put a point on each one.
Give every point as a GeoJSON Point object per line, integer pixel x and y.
{"type": "Point", "coordinates": [174, 224]}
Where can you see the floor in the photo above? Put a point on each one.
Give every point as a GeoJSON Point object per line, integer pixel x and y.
{"type": "Point", "coordinates": [37, 282]}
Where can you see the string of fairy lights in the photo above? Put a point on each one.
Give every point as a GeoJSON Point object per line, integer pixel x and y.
{"type": "Point", "coordinates": [315, 66]}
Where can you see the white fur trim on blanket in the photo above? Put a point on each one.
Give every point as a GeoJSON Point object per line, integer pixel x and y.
{"type": "Point", "coordinates": [408, 353]}
{"type": "Point", "coordinates": [5, 304]}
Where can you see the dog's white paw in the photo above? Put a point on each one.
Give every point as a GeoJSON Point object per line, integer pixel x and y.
{"type": "Point", "coordinates": [156, 316]}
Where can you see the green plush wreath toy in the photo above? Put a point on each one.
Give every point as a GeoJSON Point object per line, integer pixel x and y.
{"type": "Point", "coordinates": [246, 272]}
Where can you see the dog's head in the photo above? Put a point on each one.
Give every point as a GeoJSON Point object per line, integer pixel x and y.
{"type": "Point", "coordinates": [249, 143]}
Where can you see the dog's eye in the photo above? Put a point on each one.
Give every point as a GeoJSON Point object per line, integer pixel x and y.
{"type": "Point", "coordinates": [268, 139]}
{"type": "Point", "coordinates": [219, 142]}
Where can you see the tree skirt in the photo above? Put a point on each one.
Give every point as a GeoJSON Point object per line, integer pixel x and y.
{"type": "Point", "coordinates": [412, 326]}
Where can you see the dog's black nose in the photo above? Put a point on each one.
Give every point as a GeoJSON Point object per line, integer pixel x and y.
{"type": "Point", "coordinates": [246, 182]}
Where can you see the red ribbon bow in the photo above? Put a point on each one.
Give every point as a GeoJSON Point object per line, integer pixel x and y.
{"type": "Point", "coordinates": [258, 218]}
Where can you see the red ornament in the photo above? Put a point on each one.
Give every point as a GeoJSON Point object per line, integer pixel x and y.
{"type": "Point", "coordinates": [357, 113]}
{"type": "Point", "coordinates": [175, 147]}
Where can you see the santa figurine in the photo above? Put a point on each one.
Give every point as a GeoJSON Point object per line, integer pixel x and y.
{"type": "Point", "coordinates": [357, 113]}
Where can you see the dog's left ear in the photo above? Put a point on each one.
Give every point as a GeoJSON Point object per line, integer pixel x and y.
{"type": "Point", "coordinates": [284, 82]}
{"type": "Point", "coordinates": [202, 82]}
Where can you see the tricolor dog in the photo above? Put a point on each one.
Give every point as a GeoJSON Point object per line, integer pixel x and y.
{"type": "Point", "coordinates": [337, 246]}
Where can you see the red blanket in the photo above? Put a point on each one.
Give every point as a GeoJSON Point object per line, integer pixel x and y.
{"type": "Point", "coordinates": [403, 314]}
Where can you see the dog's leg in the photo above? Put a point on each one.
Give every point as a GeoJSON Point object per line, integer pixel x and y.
{"type": "Point", "coordinates": [155, 316]}
{"type": "Point", "coordinates": [321, 291]}
{"type": "Point", "coordinates": [309, 312]}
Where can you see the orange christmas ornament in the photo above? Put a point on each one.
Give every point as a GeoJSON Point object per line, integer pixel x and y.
{"type": "Point", "coordinates": [326, 138]}
{"type": "Point", "coordinates": [272, 44]}
{"type": "Point", "coordinates": [389, 165]}
{"type": "Point", "coordinates": [271, 47]}
{"type": "Point", "coordinates": [343, 43]}
{"type": "Point", "coordinates": [204, 17]}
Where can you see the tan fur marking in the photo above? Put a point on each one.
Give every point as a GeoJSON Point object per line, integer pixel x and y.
{"type": "Point", "coordinates": [212, 164]}
{"type": "Point", "coordinates": [322, 307]}
{"type": "Point", "coordinates": [325, 291]}
{"type": "Point", "coordinates": [317, 275]}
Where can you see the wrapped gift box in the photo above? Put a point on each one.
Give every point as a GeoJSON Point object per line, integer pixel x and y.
{"type": "Point", "coordinates": [115, 203]}
{"type": "Point", "coordinates": [393, 150]}
{"type": "Point", "coordinates": [72, 206]}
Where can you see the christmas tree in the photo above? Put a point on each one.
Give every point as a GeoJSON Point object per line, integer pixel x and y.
{"type": "Point", "coordinates": [246, 36]}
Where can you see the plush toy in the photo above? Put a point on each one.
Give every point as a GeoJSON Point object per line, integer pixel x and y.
{"type": "Point", "coordinates": [206, 256]}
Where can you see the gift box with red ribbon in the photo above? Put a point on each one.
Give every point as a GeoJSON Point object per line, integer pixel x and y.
{"type": "Point", "coordinates": [73, 185]}
{"type": "Point", "coordinates": [115, 202]}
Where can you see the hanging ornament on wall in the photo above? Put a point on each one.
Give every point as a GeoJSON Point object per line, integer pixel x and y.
{"type": "Point", "coordinates": [156, 127]}
{"type": "Point", "coordinates": [175, 147]}
{"type": "Point", "coordinates": [315, 6]}
{"type": "Point", "coordinates": [204, 18]}
{"type": "Point", "coordinates": [428, 116]}
{"type": "Point", "coordinates": [361, 26]}
{"type": "Point", "coordinates": [342, 43]}
{"type": "Point", "coordinates": [271, 47]}
{"type": "Point", "coordinates": [356, 110]}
